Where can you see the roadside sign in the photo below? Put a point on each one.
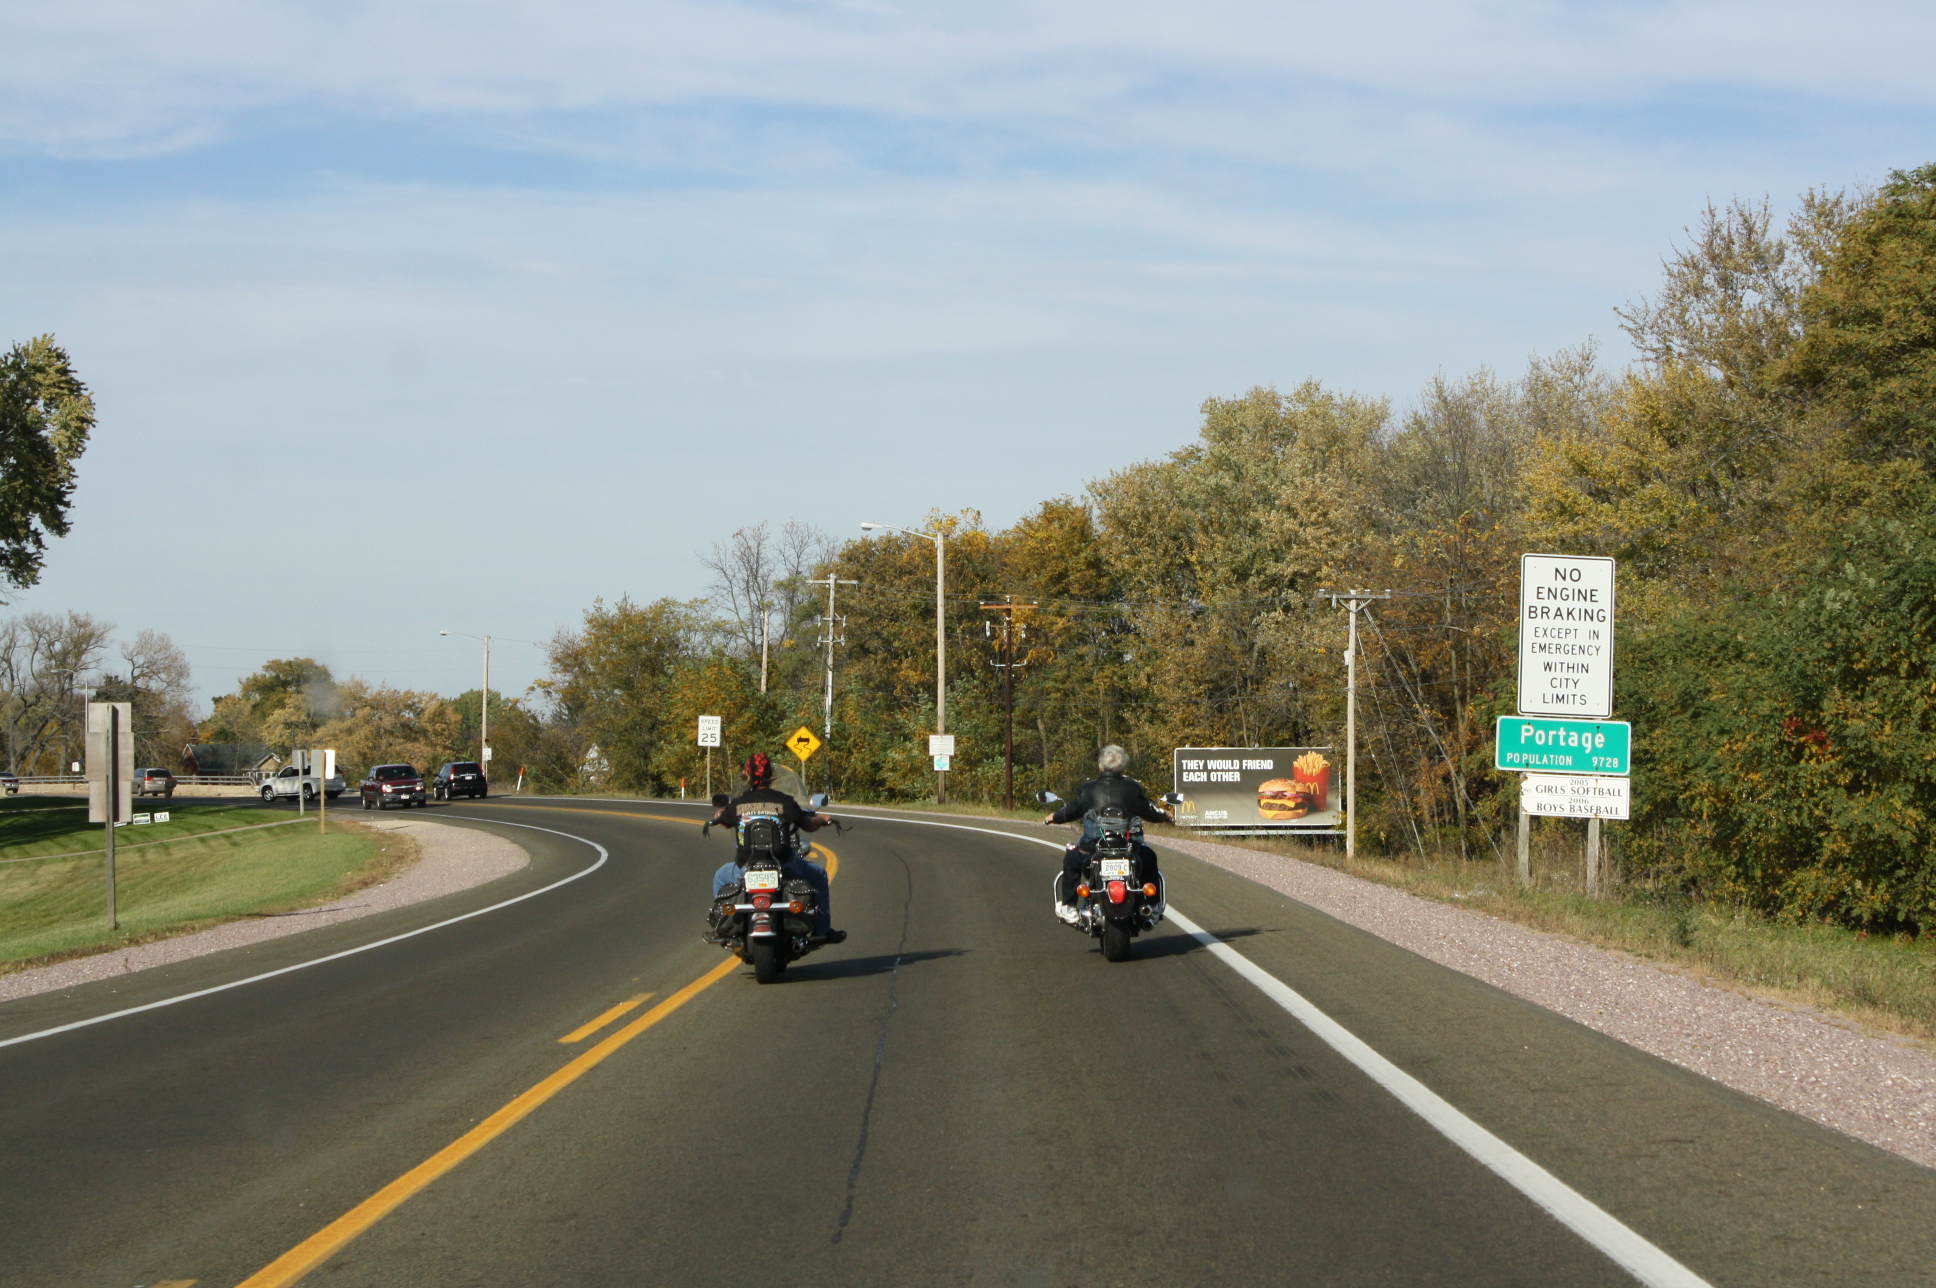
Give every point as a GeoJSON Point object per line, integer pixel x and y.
{"type": "Point", "coordinates": [139, 819]}
{"type": "Point", "coordinates": [1566, 636]}
{"type": "Point", "coordinates": [98, 755]}
{"type": "Point", "coordinates": [487, 755]}
{"type": "Point", "coordinates": [802, 743]}
{"type": "Point", "coordinates": [941, 744]}
{"type": "Point", "coordinates": [329, 761]}
{"type": "Point", "coordinates": [941, 764]}
{"type": "Point", "coordinates": [1256, 787]}
{"type": "Point", "coordinates": [1575, 795]}
{"type": "Point", "coordinates": [161, 816]}
{"type": "Point", "coordinates": [1564, 746]}
{"type": "Point", "coordinates": [709, 731]}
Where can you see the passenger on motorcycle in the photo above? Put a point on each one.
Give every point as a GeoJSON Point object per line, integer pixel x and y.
{"type": "Point", "coordinates": [1113, 787]}
{"type": "Point", "coordinates": [761, 797]}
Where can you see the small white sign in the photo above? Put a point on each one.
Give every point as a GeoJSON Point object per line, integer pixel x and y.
{"type": "Point", "coordinates": [1566, 636]}
{"type": "Point", "coordinates": [139, 819]}
{"type": "Point", "coordinates": [941, 744]}
{"type": "Point", "coordinates": [161, 816]}
{"type": "Point", "coordinates": [709, 731]}
{"type": "Point", "coordinates": [941, 764]}
{"type": "Point", "coordinates": [329, 762]}
{"type": "Point", "coordinates": [487, 755]}
{"type": "Point", "coordinates": [1574, 795]}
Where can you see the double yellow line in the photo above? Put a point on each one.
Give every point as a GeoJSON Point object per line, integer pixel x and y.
{"type": "Point", "coordinates": [331, 1239]}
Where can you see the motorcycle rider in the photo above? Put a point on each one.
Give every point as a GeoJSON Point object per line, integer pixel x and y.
{"type": "Point", "coordinates": [761, 797]}
{"type": "Point", "coordinates": [1111, 787]}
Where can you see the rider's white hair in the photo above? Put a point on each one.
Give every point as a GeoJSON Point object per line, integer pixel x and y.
{"type": "Point", "coordinates": [1112, 759]}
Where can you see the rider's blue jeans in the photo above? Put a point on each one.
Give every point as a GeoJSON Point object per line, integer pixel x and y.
{"type": "Point", "coordinates": [730, 874]}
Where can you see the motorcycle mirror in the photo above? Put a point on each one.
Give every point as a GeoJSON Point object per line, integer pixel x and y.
{"type": "Point", "coordinates": [721, 798]}
{"type": "Point", "coordinates": [1047, 798]}
{"type": "Point", "coordinates": [1172, 798]}
{"type": "Point", "coordinates": [818, 800]}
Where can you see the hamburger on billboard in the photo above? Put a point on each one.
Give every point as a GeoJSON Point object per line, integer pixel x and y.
{"type": "Point", "coordinates": [1264, 787]}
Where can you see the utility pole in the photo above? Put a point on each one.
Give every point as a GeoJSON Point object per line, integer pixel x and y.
{"type": "Point", "coordinates": [1009, 627]}
{"type": "Point", "coordinates": [833, 636]}
{"type": "Point", "coordinates": [1357, 601]}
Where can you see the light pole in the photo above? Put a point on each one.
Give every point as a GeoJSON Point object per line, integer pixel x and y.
{"type": "Point", "coordinates": [940, 540]}
{"type": "Point", "coordinates": [484, 706]}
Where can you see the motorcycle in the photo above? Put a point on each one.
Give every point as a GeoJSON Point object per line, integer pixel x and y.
{"type": "Point", "coordinates": [766, 918]}
{"type": "Point", "coordinates": [1113, 900]}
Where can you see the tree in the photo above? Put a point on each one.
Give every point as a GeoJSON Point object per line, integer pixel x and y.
{"type": "Point", "coordinates": [46, 415]}
{"type": "Point", "coordinates": [281, 705]}
{"type": "Point", "coordinates": [1868, 345]}
{"type": "Point", "coordinates": [155, 682]}
{"type": "Point", "coordinates": [610, 680]}
{"type": "Point", "coordinates": [376, 725]}
{"type": "Point", "coordinates": [45, 663]}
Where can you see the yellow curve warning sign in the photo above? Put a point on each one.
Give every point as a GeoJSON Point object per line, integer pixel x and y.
{"type": "Point", "coordinates": [802, 743]}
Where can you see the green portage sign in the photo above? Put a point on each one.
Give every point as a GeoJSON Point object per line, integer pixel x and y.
{"type": "Point", "coordinates": [1529, 744]}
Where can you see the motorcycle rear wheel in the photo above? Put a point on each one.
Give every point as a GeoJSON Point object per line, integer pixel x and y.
{"type": "Point", "coordinates": [1115, 941]}
{"type": "Point", "coordinates": [767, 962]}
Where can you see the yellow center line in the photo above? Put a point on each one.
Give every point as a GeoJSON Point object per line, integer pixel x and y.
{"type": "Point", "coordinates": [584, 1031]}
{"type": "Point", "coordinates": [332, 1238]}
{"type": "Point", "coordinates": [177, 1283]}
{"type": "Point", "coordinates": [326, 1242]}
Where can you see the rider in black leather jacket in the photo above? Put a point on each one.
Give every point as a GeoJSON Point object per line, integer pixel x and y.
{"type": "Point", "coordinates": [1112, 787]}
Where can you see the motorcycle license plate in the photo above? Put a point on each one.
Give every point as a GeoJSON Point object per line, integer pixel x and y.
{"type": "Point", "coordinates": [762, 881]}
{"type": "Point", "coordinates": [1115, 867]}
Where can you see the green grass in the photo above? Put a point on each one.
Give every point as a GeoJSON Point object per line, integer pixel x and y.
{"type": "Point", "coordinates": [56, 908]}
{"type": "Point", "coordinates": [30, 826]}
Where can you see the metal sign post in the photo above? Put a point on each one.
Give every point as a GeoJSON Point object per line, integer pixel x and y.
{"type": "Point", "coordinates": [110, 764]}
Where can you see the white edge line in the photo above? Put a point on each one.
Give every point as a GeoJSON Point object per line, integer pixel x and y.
{"type": "Point", "coordinates": [1568, 1206]}
{"type": "Point", "coordinates": [603, 855]}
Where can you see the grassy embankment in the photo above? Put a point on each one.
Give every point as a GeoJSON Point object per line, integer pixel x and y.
{"type": "Point", "coordinates": [171, 878]}
{"type": "Point", "coordinates": [1883, 982]}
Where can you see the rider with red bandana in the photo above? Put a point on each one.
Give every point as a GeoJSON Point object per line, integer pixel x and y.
{"type": "Point", "coordinates": [761, 797]}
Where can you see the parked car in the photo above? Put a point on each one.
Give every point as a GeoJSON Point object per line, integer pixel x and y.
{"type": "Point", "coordinates": [154, 782]}
{"type": "Point", "coordinates": [11, 782]}
{"type": "Point", "coordinates": [389, 785]}
{"type": "Point", "coordinates": [289, 782]}
{"type": "Point", "coordinates": [460, 778]}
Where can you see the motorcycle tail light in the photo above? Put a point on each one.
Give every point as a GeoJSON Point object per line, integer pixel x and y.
{"type": "Point", "coordinates": [1117, 889]}
{"type": "Point", "coordinates": [1082, 891]}
{"type": "Point", "coordinates": [762, 901]}
{"type": "Point", "coordinates": [1149, 889]}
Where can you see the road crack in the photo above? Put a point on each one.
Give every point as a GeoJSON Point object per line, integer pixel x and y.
{"type": "Point", "coordinates": [880, 1054]}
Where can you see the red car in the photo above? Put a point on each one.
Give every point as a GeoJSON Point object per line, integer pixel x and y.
{"type": "Point", "coordinates": [388, 785]}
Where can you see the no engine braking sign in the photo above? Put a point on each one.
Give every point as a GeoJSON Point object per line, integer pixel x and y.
{"type": "Point", "coordinates": [1566, 636]}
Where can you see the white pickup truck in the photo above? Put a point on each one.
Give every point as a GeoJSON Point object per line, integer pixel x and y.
{"type": "Point", "coordinates": [291, 782]}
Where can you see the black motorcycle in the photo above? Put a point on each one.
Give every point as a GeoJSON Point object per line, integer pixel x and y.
{"type": "Point", "coordinates": [767, 918]}
{"type": "Point", "coordinates": [1114, 901]}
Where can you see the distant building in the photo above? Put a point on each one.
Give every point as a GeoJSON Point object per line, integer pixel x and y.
{"type": "Point", "coordinates": [229, 758]}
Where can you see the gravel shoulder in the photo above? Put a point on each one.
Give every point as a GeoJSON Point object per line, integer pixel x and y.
{"type": "Point", "coordinates": [1876, 1088]}
{"type": "Point", "coordinates": [449, 859]}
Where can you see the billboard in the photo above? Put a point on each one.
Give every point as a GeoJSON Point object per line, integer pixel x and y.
{"type": "Point", "coordinates": [1291, 788]}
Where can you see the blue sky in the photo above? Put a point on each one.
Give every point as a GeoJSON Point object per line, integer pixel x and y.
{"type": "Point", "coordinates": [424, 315]}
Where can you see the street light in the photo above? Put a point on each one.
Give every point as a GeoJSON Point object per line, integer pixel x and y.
{"type": "Point", "coordinates": [940, 540]}
{"type": "Point", "coordinates": [484, 705]}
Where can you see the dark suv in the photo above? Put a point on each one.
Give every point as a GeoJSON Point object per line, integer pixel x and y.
{"type": "Point", "coordinates": [388, 785]}
{"type": "Point", "coordinates": [460, 778]}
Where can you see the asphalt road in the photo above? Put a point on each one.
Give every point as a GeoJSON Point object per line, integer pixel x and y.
{"type": "Point", "coordinates": [962, 1093]}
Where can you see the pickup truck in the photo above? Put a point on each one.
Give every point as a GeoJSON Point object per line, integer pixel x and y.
{"type": "Point", "coordinates": [290, 783]}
